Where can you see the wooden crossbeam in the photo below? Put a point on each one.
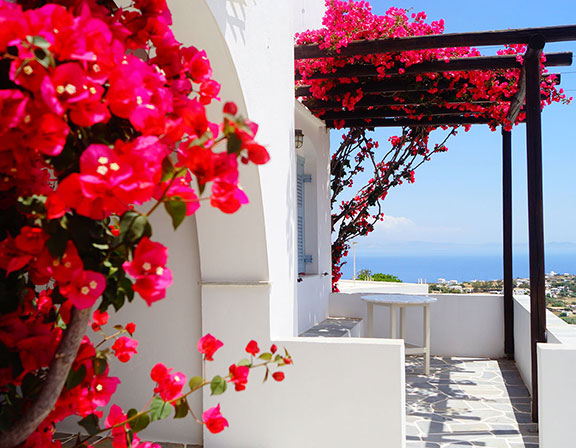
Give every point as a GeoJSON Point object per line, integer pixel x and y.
{"type": "Point", "coordinates": [386, 85]}
{"type": "Point", "coordinates": [383, 100]}
{"type": "Point", "coordinates": [387, 112]}
{"type": "Point", "coordinates": [562, 59]}
{"type": "Point", "coordinates": [388, 122]}
{"type": "Point", "coordinates": [472, 39]}
{"type": "Point", "coordinates": [391, 86]}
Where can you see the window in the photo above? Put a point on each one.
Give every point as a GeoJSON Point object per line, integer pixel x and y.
{"type": "Point", "coordinates": [301, 179]}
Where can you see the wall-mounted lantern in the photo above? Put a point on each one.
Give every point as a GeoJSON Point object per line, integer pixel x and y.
{"type": "Point", "coordinates": [298, 138]}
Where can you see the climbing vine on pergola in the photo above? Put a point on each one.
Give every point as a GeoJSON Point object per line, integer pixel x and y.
{"type": "Point", "coordinates": [363, 71]}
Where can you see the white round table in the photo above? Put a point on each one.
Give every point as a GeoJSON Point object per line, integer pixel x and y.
{"type": "Point", "coordinates": [401, 302]}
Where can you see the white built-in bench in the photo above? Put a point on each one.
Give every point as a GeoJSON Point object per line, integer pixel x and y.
{"type": "Point", "coordinates": [335, 327]}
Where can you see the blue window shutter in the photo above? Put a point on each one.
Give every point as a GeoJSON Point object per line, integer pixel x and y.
{"type": "Point", "coordinates": [300, 207]}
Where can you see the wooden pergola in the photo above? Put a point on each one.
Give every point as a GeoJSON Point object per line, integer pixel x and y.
{"type": "Point", "coordinates": [377, 109]}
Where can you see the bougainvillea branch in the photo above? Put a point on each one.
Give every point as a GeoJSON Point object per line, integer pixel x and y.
{"type": "Point", "coordinates": [53, 384]}
{"type": "Point", "coordinates": [356, 216]}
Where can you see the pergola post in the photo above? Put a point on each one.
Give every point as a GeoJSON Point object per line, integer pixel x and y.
{"type": "Point", "coordinates": [507, 243]}
{"type": "Point", "coordinates": [535, 208]}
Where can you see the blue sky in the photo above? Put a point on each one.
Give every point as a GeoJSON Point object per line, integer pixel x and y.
{"type": "Point", "coordinates": [456, 199]}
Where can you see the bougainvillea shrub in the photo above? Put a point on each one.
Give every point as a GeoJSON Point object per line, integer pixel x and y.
{"type": "Point", "coordinates": [486, 93]}
{"type": "Point", "coordinates": [103, 116]}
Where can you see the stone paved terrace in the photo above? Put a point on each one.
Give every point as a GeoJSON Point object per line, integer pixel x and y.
{"type": "Point", "coordinates": [467, 402]}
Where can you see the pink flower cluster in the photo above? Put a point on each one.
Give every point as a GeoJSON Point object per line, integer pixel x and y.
{"type": "Point", "coordinates": [82, 287]}
{"type": "Point", "coordinates": [72, 72]}
{"type": "Point", "coordinates": [347, 21]}
{"type": "Point", "coordinates": [101, 111]}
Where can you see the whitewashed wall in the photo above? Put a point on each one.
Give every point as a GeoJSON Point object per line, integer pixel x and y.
{"type": "Point", "coordinates": [556, 363]}
{"type": "Point", "coordinates": [461, 324]}
{"type": "Point", "coordinates": [241, 301]}
{"type": "Point", "coordinates": [314, 288]}
{"type": "Point", "coordinates": [307, 14]}
{"type": "Point", "coordinates": [522, 354]}
{"type": "Point", "coordinates": [339, 393]}
{"type": "Point", "coordinates": [557, 394]}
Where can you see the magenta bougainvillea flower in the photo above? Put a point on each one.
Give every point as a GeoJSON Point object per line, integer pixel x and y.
{"type": "Point", "coordinates": [208, 345]}
{"type": "Point", "coordinates": [124, 348]}
{"type": "Point", "coordinates": [169, 385]}
{"type": "Point", "coordinates": [239, 376]}
{"type": "Point", "coordinates": [84, 289]}
{"type": "Point", "coordinates": [214, 420]}
{"type": "Point", "coordinates": [149, 269]}
{"type": "Point", "coordinates": [252, 348]}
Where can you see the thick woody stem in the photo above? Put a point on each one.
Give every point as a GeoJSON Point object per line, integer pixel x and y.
{"type": "Point", "coordinates": [57, 374]}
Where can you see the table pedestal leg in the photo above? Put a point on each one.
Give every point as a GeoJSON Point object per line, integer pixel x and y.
{"type": "Point", "coordinates": [427, 339]}
{"type": "Point", "coordinates": [393, 322]}
{"type": "Point", "coordinates": [370, 320]}
{"type": "Point", "coordinates": [403, 322]}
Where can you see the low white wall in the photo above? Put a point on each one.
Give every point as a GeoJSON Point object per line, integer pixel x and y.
{"type": "Point", "coordinates": [350, 286]}
{"type": "Point", "coordinates": [557, 394]}
{"type": "Point", "coordinates": [461, 324]}
{"type": "Point", "coordinates": [522, 354]}
{"type": "Point", "coordinates": [340, 392]}
{"type": "Point", "coordinates": [313, 294]}
{"type": "Point", "coordinates": [558, 331]}
{"type": "Point", "coordinates": [314, 288]}
{"type": "Point", "coordinates": [556, 362]}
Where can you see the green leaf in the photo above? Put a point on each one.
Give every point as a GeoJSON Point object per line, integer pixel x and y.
{"type": "Point", "coordinates": [234, 144]}
{"type": "Point", "coordinates": [195, 382]}
{"type": "Point", "coordinates": [265, 356]}
{"type": "Point", "coordinates": [159, 409]}
{"type": "Point", "coordinates": [139, 423]}
{"type": "Point", "coordinates": [218, 385]}
{"type": "Point", "coordinates": [167, 169]}
{"type": "Point", "coordinates": [126, 286]}
{"type": "Point", "coordinates": [38, 41]}
{"type": "Point", "coordinates": [177, 211]}
{"type": "Point", "coordinates": [245, 362]}
{"type": "Point", "coordinates": [181, 408]}
{"type": "Point", "coordinates": [134, 226]}
{"type": "Point", "coordinates": [75, 377]}
{"type": "Point", "coordinates": [100, 365]}
{"type": "Point", "coordinates": [91, 424]}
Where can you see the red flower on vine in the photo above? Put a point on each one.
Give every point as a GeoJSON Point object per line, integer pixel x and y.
{"type": "Point", "coordinates": [214, 420]}
{"type": "Point", "coordinates": [208, 345]}
{"type": "Point", "coordinates": [149, 269]}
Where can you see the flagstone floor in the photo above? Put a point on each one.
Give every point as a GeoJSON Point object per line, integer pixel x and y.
{"type": "Point", "coordinates": [467, 402]}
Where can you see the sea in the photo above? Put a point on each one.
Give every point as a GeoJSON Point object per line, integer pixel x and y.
{"type": "Point", "coordinates": [429, 268]}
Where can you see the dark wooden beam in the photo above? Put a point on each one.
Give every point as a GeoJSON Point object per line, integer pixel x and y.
{"type": "Point", "coordinates": [404, 84]}
{"type": "Point", "coordinates": [391, 85]}
{"type": "Point", "coordinates": [518, 99]}
{"type": "Point", "coordinates": [388, 122]}
{"type": "Point", "coordinates": [472, 39]}
{"type": "Point", "coordinates": [535, 209]}
{"type": "Point", "coordinates": [387, 112]}
{"type": "Point", "coordinates": [370, 101]}
{"type": "Point", "coordinates": [507, 243]}
{"type": "Point", "coordinates": [383, 100]}
{"type": "Point", "coordinates": [562, 59]}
